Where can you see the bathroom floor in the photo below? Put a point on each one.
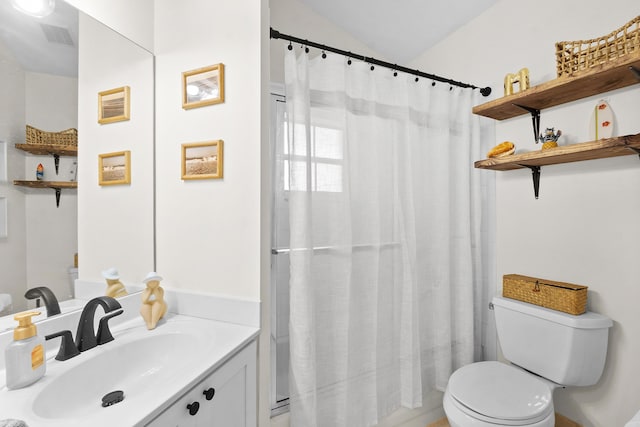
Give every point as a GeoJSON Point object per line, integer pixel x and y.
{"type": "Point", "coordinates": [561, 421]}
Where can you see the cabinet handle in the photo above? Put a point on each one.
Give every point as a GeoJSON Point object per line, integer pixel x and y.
{"type": "Point", "coordinates": [193, 408]}
{"type": "Point", "coordinates": [209, 393]}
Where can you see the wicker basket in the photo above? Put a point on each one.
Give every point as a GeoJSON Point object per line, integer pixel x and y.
{"type": "Point", "coordinates": [561, 296]}
{"type": "Point", "coordinates": [575, 57]}
{"type": "Point", "coordinates": [41, 137]}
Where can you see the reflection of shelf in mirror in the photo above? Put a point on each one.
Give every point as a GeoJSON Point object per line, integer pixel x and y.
{"type": "Point", "coordinates": [56, 185]}
{"type": "Point", "coordinates": [55, 150]}
{"type": "Point", "coordinates": [610, 147]}
{"type": "Point", "coordinates": [61, 150]}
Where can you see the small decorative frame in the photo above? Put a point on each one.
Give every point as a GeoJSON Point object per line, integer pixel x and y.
{"type": "Point", "coordinates": [204, 86]}
{"type": "Point", "coordinates": [113, 105]}
{"type": "Point", "coordinates": [202, 160]}
{"type": "Point", "coordinates": [114, 168]}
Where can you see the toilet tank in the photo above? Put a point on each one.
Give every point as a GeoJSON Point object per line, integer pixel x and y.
{"type": "Point", "coordinates": [566, 349]}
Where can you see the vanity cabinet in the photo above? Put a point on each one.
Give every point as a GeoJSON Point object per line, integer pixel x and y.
{"type": "Point", "coordinates": [225, 398]}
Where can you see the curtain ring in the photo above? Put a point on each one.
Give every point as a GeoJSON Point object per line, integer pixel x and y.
{"type": "Point", "coordinates": [290, 47]}
{"type": "Point", "coordinates": [324, 55]}
{"type": "Point", "coordinates": [306, 49]}
{"type": "Point", "coordinates": [349, 61]}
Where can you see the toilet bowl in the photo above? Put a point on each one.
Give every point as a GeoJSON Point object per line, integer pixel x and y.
{"type": "Point", "coordinates": [547, 349]}
{"type": "Point", "coordinates": [490, 394]}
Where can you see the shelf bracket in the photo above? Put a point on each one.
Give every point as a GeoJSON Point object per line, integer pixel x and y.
{"type": "Point", "coordinates": [637, 150]}
{"type": "Point", "coordinates": [56, 160]}
{"type": "Point", "coordinates": [635, 71]}
{"type": "Point", "coordinates": [58, 191]}
{"type": "Point", "coordinates": [535, 172]}
{"type": "Point", "coordinates": [535, 118]}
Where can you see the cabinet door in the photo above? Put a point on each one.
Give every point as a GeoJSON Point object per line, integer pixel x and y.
{"type": "Point", "coordinates": [226, 398]}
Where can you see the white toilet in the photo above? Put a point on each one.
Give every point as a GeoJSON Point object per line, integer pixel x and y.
{"type": "Point", "coordinates": [547, 349]}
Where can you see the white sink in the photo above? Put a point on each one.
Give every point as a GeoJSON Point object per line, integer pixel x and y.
{"type": "Point", "coordinates": [133, 367]}
{"type": "Point", "coordinates": [152, 369]}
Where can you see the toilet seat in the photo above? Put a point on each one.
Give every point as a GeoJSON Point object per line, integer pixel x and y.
{"type": "Point", "coordinates": [500, 394]}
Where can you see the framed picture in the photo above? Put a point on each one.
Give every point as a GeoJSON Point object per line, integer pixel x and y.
{"type": "Point", "coordinates": [113, 105]}
{"type": "Point", "coordinates": [204, 86]}
{"type": "Point", "coordinates": [114, 168]}
{"type": "Point", "coordinates": [202, 160]}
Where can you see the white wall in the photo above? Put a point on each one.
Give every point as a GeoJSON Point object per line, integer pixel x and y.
{"type": "Point", "coordinates": [584, 228]}
{"type": "Point", "coordinates": [133, 19]}
{"type": "Point", "coordinates": [208, 231]}
{"type": "Point", "coordinates": [115, 222]}
{"type": "Point", "coordinates": [13, 270]}
{"type": "Point", "coordinates": [52, 236]}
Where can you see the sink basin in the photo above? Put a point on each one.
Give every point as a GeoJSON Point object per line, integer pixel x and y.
{"type": "Point", "coordinates": [134, 367]}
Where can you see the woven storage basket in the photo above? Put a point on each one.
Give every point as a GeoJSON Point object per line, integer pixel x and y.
{"type": "Point", "coordinates": [561, 296]}
{"type": "Point", "coordinates": [575, 57]}
{"type": "Point", "coordinates": [40, 137]}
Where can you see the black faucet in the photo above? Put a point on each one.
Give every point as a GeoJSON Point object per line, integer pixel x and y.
{"type": "Point", "coordinates": [50, 301]}
{"type": "Point", "coordinates": [86, 337]}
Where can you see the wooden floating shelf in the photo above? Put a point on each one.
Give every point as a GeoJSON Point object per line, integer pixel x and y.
{"type": "Point", "coordinates": [61, 150]}
{"type": "Point", "coordinates": [600, 79]}
{"type": "Point", "coordinates": [56, 185]}
{"type": "Point", "coordinates": [603, 148]}
{"type": "Point", "coordinates": [47, 184]}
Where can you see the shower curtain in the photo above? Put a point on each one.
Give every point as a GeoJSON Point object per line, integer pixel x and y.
{"type": "Point", "coordinates": [388, 230]}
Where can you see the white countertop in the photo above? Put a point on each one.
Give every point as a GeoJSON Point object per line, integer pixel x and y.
{"type": "Point", "coordinates": [223, 341]}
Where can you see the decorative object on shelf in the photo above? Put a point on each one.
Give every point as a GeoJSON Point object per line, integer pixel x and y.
{"type": "Point", "coordinates": [114, 168]}
{"type": "Point", "coordinates": [39, 172]}
{"type": "Point", "coordinates": [203, 86]}
{"type": "Point", "coordinates": [40, 137]}
{"type": "Point", "coordinates": [601, 124]}
{"type": "Point", "coordinates": [115, 288]}
{"type": "Point", "coordinates": [202, 160]}
{"type": "Point", "coordinates": [550, 138]}
{"type": "Point", "coordinates": [521, 77]}
{"type": "Point", "coordinates": [576, 57]}
{"type": "Point", "coordinates": [502, 150]}
{"type": "Point", "coordinates": [113, 105]}
{"type": "Point", "coordinates": [153, 304]}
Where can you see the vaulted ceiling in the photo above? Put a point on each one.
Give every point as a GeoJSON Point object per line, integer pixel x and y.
{"type": "Point", "coordinates": [399, 29]}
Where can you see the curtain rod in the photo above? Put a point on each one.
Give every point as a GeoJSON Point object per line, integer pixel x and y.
{"type": "Point", "coordinates": [485, 91]}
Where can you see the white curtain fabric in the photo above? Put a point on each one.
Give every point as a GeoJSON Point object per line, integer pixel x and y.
{"type": "Point", "coordinates": [387, 221]}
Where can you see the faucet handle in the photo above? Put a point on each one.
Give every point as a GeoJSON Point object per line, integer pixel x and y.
{"type": "Point", "coordinates": [104, 334]}
{"type": "Point", "coordinates": [68, 348]}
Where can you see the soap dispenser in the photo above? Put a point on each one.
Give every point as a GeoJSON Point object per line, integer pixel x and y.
{"type": "Point", "coordinates": [25, 357]}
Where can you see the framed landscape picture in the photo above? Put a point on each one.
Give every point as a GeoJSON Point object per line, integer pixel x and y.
{"type": "Point", "coordinates": [204, 86]}
{"type": "Point", "coordinates": [202, 160]}
{"type": "Point", "coordinates": [114, 168]}
{"type": "Point", "coordinates": [113, 105]}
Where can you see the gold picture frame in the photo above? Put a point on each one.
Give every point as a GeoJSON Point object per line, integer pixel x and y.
{"type": "Point", "coordinates": [203, 160]}
{"type": "Point", "coordinates": [113, 105]}
{"type": "Point", "coordinates": [203, 86]}
{"type": "Point", "coordinates": [114, 168]}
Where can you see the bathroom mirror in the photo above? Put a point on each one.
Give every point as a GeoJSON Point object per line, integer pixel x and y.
{"type": "Point", "coordinates": [40, 85]}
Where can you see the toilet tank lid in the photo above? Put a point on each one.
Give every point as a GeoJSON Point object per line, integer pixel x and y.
{"type": "Point", "coordinates": [588, 320]}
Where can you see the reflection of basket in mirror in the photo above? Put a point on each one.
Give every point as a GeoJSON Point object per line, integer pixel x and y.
{"type": "Point", "coordinates": [41, 137]}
